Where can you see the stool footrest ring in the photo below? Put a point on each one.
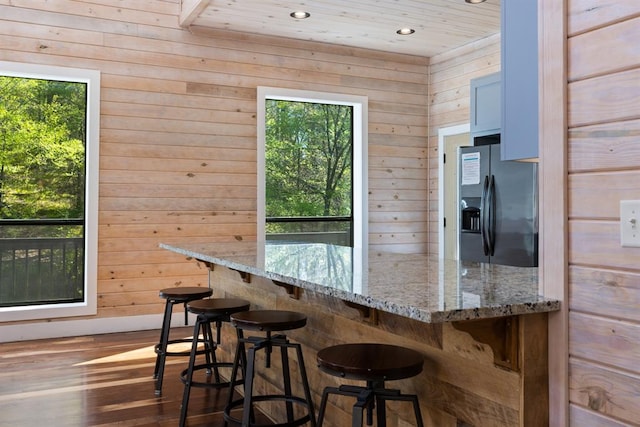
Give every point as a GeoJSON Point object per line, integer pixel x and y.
{"type": "Point", "coordinates": [185, 352]}
{"type": "Point", "coordinates": [269, 398]}
{"type": "Point", "coordinates": [209, 367]}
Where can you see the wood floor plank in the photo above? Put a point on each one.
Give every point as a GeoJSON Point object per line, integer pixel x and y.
{"type": "Point", "coordinates": [98, 381]}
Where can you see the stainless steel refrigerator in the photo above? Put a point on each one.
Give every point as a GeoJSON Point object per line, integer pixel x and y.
{"type": "Point", "coordinates": [498, 208]}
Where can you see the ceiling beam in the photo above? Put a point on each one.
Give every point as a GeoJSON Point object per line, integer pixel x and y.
{"type": "Point", "coordinates": [190, 9]}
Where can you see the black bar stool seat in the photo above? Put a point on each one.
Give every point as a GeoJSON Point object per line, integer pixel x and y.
{"type": "Point", "coordinates": [173, 296]}
{"type": "Point", "coordinates": [208, 311]}
{"type": "Point", "coordinates": [375, 364]}
{"type": "Point", "coordinates": [268, 321]}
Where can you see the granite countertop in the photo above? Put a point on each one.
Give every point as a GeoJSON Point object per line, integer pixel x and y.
{"type": "Point", "coordinates": [417, 286]}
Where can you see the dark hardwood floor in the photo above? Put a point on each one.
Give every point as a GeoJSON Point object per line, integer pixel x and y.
{"type": "Point", "coordinates": [100, 380]}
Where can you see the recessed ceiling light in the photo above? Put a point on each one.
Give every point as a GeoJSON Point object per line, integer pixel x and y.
{"type": "Point", "coordinates": [475, 1]}
{"type": "Point", "coordinates": [405, 31]}
{"type": "Point", "coordinates": [300, 15]}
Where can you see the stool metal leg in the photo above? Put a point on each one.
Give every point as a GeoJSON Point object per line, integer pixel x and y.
{"type": "Point", "coordinates": [365, 402]}
{"type": "Point", "coordinates": [161, 350]}
{"type": "Point", "coordinates": [248, 387]}
{"type": "Point", "coordinates": [186, 314]}
{"type": "Point", "coordinates": [210, 350]}
{"type": "Point", "coordinates": [305, 385]}
{"type": "Point", "coordinates": [239, 362]}
{"type": "Point", "coordinates": [249, 363]}
{"type": "Point", "coordinates": [323, 403]}
{"type": "Point", "coordinates": [219, 330]}
{"type": "Point", "coordinates": [416, 410]}
{"type": "Point", "coordinates": [286, 375]}
{"type": "Point", "coordinates": [357, 412]}
{"type": "Point", "coordinates": [382, 395]}
{"type": "Point", "coordinates": [378, 402]}
{"type": "Point", "coordinates": [387, 394]}
{"type": "Point", "coordinates": [189, 375]}
{"type": "Point", "coordinates": [361, 394]}
{"type": "Point", "coordinates": [381, 412]}
{"type": "Point", "coordinates": [368, 398]}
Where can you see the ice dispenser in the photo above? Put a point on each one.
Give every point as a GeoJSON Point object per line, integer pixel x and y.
{"type": "Point", "coordinates": [470, 215]}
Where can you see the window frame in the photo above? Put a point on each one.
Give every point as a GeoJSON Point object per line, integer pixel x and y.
{"type": "Point", "coordinates": [92, 79]}
{"type": "Point", "coordinates": [360, 155]}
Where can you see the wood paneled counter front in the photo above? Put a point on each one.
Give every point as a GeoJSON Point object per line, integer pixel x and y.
{"type": "Point", "coordinates": [482, 328]}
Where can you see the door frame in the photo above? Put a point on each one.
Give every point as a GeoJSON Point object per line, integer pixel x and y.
{"type": "Point", "coordinates": [442, 134]}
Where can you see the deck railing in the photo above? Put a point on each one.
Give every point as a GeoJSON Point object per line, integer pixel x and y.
{"type": "Point", "coordinates": [49, 270]}
{"type": "Point", "coordinates": [334, 230]}
{"type": "Point", "coordinates": [41, 270]}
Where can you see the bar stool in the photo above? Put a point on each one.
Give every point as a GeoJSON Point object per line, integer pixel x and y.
{"type": "Point", "coordinates": [173, 296]}
{"type": "Point", "coordinates": [268, 321]}
{"type": "Point", "coordinates": [375, 364]}
{"type": "Point", "coordinates": [208, 311]}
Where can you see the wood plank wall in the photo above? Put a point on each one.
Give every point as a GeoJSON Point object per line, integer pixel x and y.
{"type": "Point", "coordinates": [178, 130]}
{"type": "Point", "coordinates": [449, 98]}
{"type": "Point", "coordinates": [604, 168]}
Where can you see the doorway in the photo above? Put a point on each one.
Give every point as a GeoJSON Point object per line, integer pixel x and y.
{"type": "Point", "coordinates": [450, 139]}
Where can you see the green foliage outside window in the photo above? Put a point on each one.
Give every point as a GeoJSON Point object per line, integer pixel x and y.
{"type": "Point", "coordinates": [42, 144]}
{"type": "Point", "coordinates": [308, 159]}
{"type": "Point", "coordinates": [42, 182]}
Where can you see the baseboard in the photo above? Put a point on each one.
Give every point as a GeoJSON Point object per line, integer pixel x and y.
{"type": "Point", "coordinates": [73, 328]}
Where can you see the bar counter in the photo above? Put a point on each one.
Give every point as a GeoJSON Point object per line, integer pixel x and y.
{"type": "Point", "coordinates": [482, 328]}
{"type": "Point", "coordinates": [416, 286]}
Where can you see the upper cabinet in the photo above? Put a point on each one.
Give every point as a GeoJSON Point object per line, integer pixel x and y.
{"type": "Point", "coordinates": [519, 128]}
{"type": "Point", "coordinates": [485, 105]}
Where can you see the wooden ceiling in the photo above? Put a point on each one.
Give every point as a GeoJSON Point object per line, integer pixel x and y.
{"type": "Point", "coordinates": [440, 25]}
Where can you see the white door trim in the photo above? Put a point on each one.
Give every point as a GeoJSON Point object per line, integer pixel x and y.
{"type": "Point", "coordinates": [442, 134]}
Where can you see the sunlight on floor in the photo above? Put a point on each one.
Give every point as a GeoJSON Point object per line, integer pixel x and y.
{"type": "Point", "coordinates": [137, 354]}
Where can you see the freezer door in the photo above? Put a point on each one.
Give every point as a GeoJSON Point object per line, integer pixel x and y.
{"type": "Point", "coordinates": [516, 212]}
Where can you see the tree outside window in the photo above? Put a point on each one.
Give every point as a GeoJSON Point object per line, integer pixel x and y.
{"type": "Point", "coordinates": [42, 191]}
{"type": "Point", "coordinates": [42, 139]}
{"type": "Point", "coordinates": [309, 171]}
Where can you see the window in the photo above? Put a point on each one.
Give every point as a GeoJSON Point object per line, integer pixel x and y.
{"type": "Point", "coordinates": [312, 167]}
{"type": "Point", "coordinates": [49, 127]}
{"type": "Point", "coordinates": [308, 165]}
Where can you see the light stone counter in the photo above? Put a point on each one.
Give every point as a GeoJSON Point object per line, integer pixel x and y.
{"type": "Point", "coordinates": [416, 286]}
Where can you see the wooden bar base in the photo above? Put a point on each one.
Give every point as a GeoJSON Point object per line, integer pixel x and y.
{"type": "Point", "coordinates": [489, 372]}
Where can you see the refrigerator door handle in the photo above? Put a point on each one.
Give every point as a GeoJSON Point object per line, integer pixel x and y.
{"type": "Point", "coordinates": [484, 215]}
{"type": "Point", "coordinates": [491, 227]}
